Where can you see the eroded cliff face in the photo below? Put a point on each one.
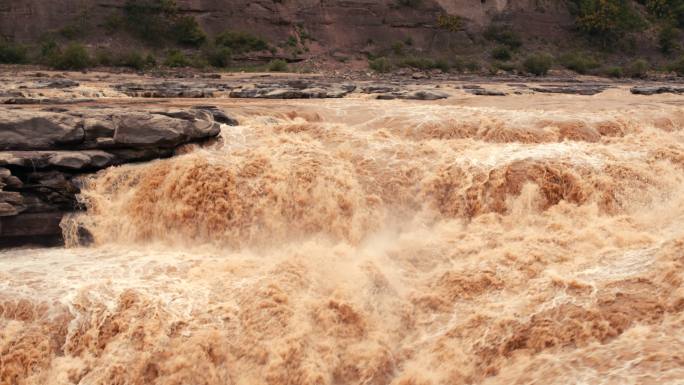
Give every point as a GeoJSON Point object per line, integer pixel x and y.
{"type": "Point", "coordinates": [334, 25]}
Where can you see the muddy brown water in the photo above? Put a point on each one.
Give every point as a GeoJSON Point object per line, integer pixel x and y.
{"type": "Point", "coordinates": [522, 240]}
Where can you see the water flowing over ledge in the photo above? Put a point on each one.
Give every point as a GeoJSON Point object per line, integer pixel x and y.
{"type": "Point", "coordinates": [370, 242]}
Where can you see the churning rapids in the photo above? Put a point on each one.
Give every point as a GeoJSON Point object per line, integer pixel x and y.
{"type": "Point", "coordinates": [363, 242]}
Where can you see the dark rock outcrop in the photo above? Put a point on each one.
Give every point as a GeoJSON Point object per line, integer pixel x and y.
{"type": "Point", "coordinates": [171, 89]}
{"type": "Point", "coordinates": [379, 89]}
{"type": "Point", "coordinates": [294, 90]}
{"type": "Point", "coordinates": [25, 100]}
{"type": "Point", "coordinates": [484, 92]}
{"type": "Point", "coordinates": [414, 95]}
{"type": "Point", "coordinates": [42, 154]}
{"type": "Point", "coordinates": [653, 90]}
{"type": "Point", "coordinates": [577, 89]}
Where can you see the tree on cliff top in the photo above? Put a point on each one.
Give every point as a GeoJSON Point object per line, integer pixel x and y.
{"type": "Point", "coordinates": [605, 20]}
{"type": "Point", "coordinates": [158, 20]}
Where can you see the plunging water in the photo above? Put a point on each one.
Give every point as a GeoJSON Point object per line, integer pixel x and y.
{"type": "Point", "coordinates": [370, 243]}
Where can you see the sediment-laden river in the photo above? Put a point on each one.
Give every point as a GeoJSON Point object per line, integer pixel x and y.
{"type": "Point", "coordinates": [371, 242]}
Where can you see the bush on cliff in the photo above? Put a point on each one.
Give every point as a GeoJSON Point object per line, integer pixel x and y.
{"type": "Point", "coordinates": [668, 39]}
{"type": "Point", "coordinates": [503, 34]}
{"type": "Point", "coordinates": [176, 58]}
{"type": "Point", "coordinates": [277, 65]}
{"type": "Point", "coordinates": [579, 62]}
{"type": "Point", "coordinates": [73, 57]}
{"type": "Point", "coordinates": [668, 10]}
{"type": "Point", "coordinates": [423, 63]}
{"type": "Point", "coordinates": [605, 21]}
{"type": "Point", "coordinates": [219, 57]}
{"type": "Point", "coordinates": [241, 42]}
{"type": "Point", "coordinates": [149, 19]}
{"type": "Point", "coordinates": [135, 60]}
{"type": "Point", "coordinates": [638, 69]}
{"type": "Point", "coordinates": [614, 72]}
{"type": "Point", "coordinates": [187, 32]}
{"type": "Point", "coordinates": [12, 53]}
{"type": "Point", "coordinates": [678, 66]}
{"type": "Point", "coordinates": [381, 65]}
{"type": "Point", "coordinates": [538, 64]}
{"type": "Point", "coordinates": [502, 53]}
{"type": "Point", "coordinates": [157, 21]}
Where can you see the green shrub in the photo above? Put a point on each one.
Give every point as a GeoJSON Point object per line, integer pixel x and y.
{"type": "Point", "coordinates": [398, 48]}
{"type": "Point", "coordinates": [187, 31]}
{"type": "Point", "coordinates": [678, 66]}
{"type": "Point", "coordinates": [503, 34]}
{"type": "Point", "coordinates": [292, 42]}
{"type": "Point", "coordinates": [71, 31]}
{"type": "Point", "coordinates": [157, 21]}
{"type": "Point", "coordinates": [452, 23]}
{"type": "Point", "coordinates": [638, 69]}
{"type": "Point", "coordinates": [442, 64]}
{"type": "Point", "coordinates": [678, 15]}
{"type": "Point", "coordinates": [104, 57]}
{"type": "Point", "coordinates": [578, 62]}
{"type": "Point", "coordinates": [605, 20]}
{"type": "Point", "coordinates": [74, 57]}
{"type": "Point", "coordinates": [12, 53]}
{"type": "Point", "coordinates": [131, 59]}
{"type": "Point", "coordinates": [150, 60]}
{"type": "Point", "coordinates": [241, 42]}
{"type": "Point", "coordinates": [502, 53]}
{"type": "Point", "coordinates": [277, 65]}
{"type": "Point", "coordinates": [667, 39]}
{"type": "Point", "coordinates": [472, 65]}
{"type": "Point", "coordinates": [497, 65]}
{"type": "Point", "coordinates": [48, 49]}
{"type": "Point", "coordinates": [461, 65]}
{"type": "Point", "coordinates": [381, 65]}
{"type": "Point", "coordinates": [615, 72]}
{"type": "Point", "coordinates": [114, 22]}
{"type": "Point", "coordinates": [417, 63]}
{"type": "Point", "coordinates": [670, 10]}
{"type": "Point", "coordinates": [149, 20]}
{"type": "Point", "coordinates": [538, 64]}
{"type": "Point", "coordinates": [176, 58]}
{"type": "Point", "coordinates": [219, 57]}
{"type": "Point", "coordinates": [425, 63]}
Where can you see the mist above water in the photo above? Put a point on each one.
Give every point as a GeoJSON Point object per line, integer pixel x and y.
{"type": "Point", "coordinates": [360, 243]}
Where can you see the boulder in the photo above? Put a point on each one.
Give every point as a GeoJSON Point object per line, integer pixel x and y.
{"type": "Point", "coordinates": [293, 90]}
{"type": "Point", "coordinates": [379, 89]}
{"type": "Point", "coordinates": [578, 89]}
{"type": "Point", "coordinates": [414, 95]}
{"type": "Point", "coordinates": [153, 130]}
{"type": "Point", "coordinates": [218, 115]}
{"type": "Point", "coordinates": [653, 90]}
{"type": "Point", "coordinates": [35, 130]}
{"type": "Point", "coordinates": [170, 89]}
{"type": "Point", "coordinates": [26, 100]}
{"type": "Point", "coordinates": [484, 92]}
{"type": "Point", "coordinates": [58, 83]}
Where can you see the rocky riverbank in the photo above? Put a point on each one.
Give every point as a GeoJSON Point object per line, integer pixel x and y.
{"type": "Point", "coordinates": [44, 151]}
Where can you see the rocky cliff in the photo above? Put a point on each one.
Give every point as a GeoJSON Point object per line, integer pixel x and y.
{"type": "Point", "coordinates": [333, 25]}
